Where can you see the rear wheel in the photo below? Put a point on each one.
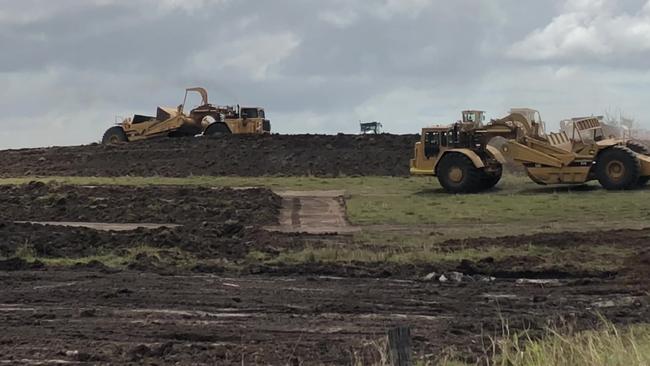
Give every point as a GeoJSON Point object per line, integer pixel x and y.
{"type": "Point", "coordinates": [457, 174]}
{"type": "Point", "coordinates": [490, 179]}
{"type": "Point", "coordinates": [114, 135]}
{"type": "Point", "coordinates": [217, 129]}
{"type": "Point", "coordinates": [618, 168]}
{"type": "Point", "coordinates": [638, 147]}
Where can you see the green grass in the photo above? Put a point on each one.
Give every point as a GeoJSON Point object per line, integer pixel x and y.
{"type": "Point", "coordinates": [607, 346]}
{"type": "Point", "coordinates": [587, 258]}
{"type": "Point", "coordinates": [118, 259]}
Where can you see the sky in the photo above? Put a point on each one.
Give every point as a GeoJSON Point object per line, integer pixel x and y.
{"type": "Point", "coordinates": [69, 69]}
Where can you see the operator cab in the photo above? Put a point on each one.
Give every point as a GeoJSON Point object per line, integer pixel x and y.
{"type": "Point", "coordinates": [252, 113]}
{"type": "Point", "coordinates": [437, 138]}
{"type": "Point", "coordinates": [474, 117]}
{"type": "Point", "coordinates": [256, 113]}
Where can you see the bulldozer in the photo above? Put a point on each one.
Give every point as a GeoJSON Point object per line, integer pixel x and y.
{"type": "Point", "coordinates": [468, 156]}
{"type": "Point", "coordinates": [206, 119]}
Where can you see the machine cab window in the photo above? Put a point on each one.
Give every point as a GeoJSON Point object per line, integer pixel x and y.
{"type": "Point", "coordinates": [432, 143]}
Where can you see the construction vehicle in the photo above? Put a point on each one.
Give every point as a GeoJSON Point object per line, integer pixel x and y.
{"type": "Point", "coordinates": [468, 157]}
{"type": "Point", "coordinates": [373, 127]}
{"type": "Point", "coordinates": [617, 164]}
{"type": "Point", "coordinates": [206, 119]}
{"type": "Point", "coordinates": [459, 154]}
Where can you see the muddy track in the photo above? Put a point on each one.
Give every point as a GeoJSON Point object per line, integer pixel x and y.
{"type": "Point", "coordinates": [286, 155]}
{"type": "Point", "coordinates": [93, 317]}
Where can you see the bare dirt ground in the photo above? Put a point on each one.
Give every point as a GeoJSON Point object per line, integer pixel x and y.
{"type": "Point", "coordinates": [287, 155]}
{"type": "Point", "coordinates": [155, 311]}
{"type": "Point", "coordinates": [89, 316]}
{"type": "Point", "coordinates": [313, 212]}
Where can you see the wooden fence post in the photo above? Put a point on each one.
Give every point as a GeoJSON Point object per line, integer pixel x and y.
{"type": "Point", "coordinates": [399, 346]}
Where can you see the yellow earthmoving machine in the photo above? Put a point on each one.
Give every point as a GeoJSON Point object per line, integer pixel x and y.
{"type": "Point", "coordinates": [459, 154]}
{"type": "Point", "coordinates": [617, 164]}
{"type": "Point", "coordinates": [207, 119]}
{"type": "Point", "coordinates": [468, 156]}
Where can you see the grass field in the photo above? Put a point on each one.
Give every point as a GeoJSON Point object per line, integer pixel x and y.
{"type": "Point", "coordinates": [607, 346]}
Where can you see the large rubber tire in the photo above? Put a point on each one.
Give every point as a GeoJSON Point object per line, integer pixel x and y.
{"type": "Point", "coordinates": [618, 168]}
{"type": "Point", "coordinates": [114, 135]}
{"type": "Point", "coordinates": [638, 147]}
{"type": "Point", "coordinates": [457, 174]}
{"type": "Point", "coordinates": [489, 180]}
{"type": "Point", "coordinates": [217, 129]}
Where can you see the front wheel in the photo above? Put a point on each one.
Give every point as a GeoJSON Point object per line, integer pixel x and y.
{"type": "Point", "coordinates": [457, 174]}
{"type": "Point", "coordinates": [217, 129]}
{"type": "Point", "coordinates": [618, 168]}
{"type": "Point", "coordinates": [114, 135]}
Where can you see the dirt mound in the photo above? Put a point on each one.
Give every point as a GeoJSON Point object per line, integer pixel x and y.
{"type": "Point", "coordinates": [118, 204]}
{"type": "Point", "coordinates": [287, 155]}
{"type": "Point", "coordinates": [229, 241]}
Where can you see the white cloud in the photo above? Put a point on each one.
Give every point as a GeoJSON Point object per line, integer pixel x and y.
{"type": "Point", "coordinates": [589, 28]}
{"type": "Point", "coordinates": [252, 56]}
{"type": "Point", "coordinates": [339, 19]}
{"type": "Point", "coordinates": [412, 8]}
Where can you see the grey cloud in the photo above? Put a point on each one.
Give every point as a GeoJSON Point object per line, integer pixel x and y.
{"type": "Point", "coordinates": [316, 65]}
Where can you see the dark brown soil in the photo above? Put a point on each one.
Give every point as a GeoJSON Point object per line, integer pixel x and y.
{"type": "Point", "coordinates": [90, 316]}
{"type": "Point", "coordinates": [126, 204]}
{"type": "Point", "coordinates": [230, 241]}
{"type": "Point", "coordinates": [286, 155]}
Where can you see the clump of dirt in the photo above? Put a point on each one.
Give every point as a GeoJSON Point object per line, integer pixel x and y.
{"type": "Point", "coordinates": [151, 204]}
{"type": "Point", "coordinates": [240, 155]}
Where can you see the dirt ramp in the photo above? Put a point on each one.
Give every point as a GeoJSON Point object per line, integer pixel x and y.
{"type": "Point", "coordinates": [238, 155]}
{"type": "Point", "coordinates": [313, 212]}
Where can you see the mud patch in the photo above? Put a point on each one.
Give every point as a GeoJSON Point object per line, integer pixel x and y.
{"type": "Point", "coordinates": [143, 317]}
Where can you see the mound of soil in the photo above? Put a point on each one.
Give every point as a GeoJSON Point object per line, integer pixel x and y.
{"type": "Point", "coordinates": [117, 204]}
{"type": "Point", "coordinates": [237, 155]}
{"type": "Point", "coordinates": [230, 241]}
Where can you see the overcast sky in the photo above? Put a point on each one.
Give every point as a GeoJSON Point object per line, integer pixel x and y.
{"type": "Point", "coordinates": [69, 67]}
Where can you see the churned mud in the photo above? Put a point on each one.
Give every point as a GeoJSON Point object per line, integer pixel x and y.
{"type": "Point", "coordinates": [88, 316]}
